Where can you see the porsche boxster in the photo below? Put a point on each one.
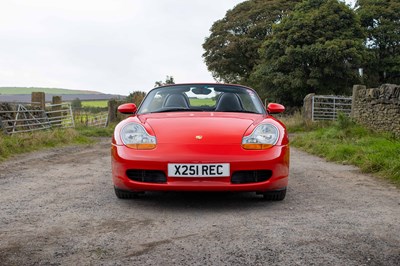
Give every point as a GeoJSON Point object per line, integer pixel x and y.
{"type": "Point", "coordinates": [200, 137]}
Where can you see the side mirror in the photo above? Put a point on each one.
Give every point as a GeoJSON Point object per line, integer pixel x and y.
{"type": "Point", "coordinates": [127, 108]}
{"type": "Point", "coordinates": [275, 108]}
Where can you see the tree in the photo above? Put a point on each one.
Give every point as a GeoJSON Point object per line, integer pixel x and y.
{"type": "Point", "coordinates": [135, 97]}
{"type": "Point", "coordinates": [318, 48]}
{"type": "Point", "coordinates": [76, 103]}
{"type": "Point", "coordinates": [168, 81]}
{"type": "Point", "coordinates": [381, 21]}
{"type": "Point", "coordinates": [231, 50]}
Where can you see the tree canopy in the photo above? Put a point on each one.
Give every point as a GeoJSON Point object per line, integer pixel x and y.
{"type": "Point", "coordinates": [135, 97]}
{"type": "Point", "coordinates": [318, 48]}
{"type": "Point", "coordinates": [76, 103]}
{"type": "Point", "coordinates": [169, 80]}
{"type": "Point", "coordinates": [231, 50]}
{"type": "Point", "coordinates": [286, 49]}
{"type": "Point", "coordinates": [381, 21]}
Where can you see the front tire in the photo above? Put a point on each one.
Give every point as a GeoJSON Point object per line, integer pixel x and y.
{"type": "Point", "coordinates": [124, 194]}
{"type": "Point", "coordinates": [277, 195]}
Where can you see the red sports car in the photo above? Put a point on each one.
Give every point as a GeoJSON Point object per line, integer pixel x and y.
{"type": "Point", "coordinates": [201, 137]}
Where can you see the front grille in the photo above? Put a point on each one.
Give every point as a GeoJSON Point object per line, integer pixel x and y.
{"type": "Point", "coordinates": [147, 176]}
{"type": "Point", "coordinates": [255, 176]}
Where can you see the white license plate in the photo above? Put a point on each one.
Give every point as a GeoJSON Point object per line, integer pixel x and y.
{"type": "Point", "coordinates": [198, 170]}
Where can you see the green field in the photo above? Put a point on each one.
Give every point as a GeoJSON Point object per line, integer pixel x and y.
{"type": "Point", "coordinates": [26, 90]}
{"type": "Point", "coordinates": [100, 103]}
{"type": "Point", "coordinates": [201, 102]}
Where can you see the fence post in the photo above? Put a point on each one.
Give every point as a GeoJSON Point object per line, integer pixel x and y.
{"type": "Point", "coordinates": [2, 127]}
{"type": "Point", "coordinates": [56, 102]}
{"type": "Point", "coordinates": [113, 115]}
{"type": "Point", "coordinates": [308, 106]}
{"type": "Point", "coordinates": [334, 109]}
{"type": "Point", "coordinates": [354, 101]}
{"type": "Point", "coordinates": [38, 99]}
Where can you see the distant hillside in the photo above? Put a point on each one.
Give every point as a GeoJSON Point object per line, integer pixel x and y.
{"type": "Point", "coordinates": [23, 94]}
{"type": "Point", "coordinates": [55, 91]}
{"type": "Point", "coordinates": [26, 98]}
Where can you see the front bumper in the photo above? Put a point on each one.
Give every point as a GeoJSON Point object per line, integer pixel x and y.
{"type": "Point", "coordinates": [275, 159]}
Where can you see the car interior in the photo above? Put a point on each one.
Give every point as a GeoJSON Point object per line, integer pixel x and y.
{"type": "Point", "coordinates": [176, 100]}
{"type": "Point", "coordinates": [229, 102]}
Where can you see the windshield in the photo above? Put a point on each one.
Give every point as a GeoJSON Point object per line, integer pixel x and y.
{"type": "Point", "coordinates": [202, 97]}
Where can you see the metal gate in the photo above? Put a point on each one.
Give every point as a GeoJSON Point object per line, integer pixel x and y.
{"type": "Point", "coordinates": [23, 119]}
{"type": "Point", "coordinates": [100, 120]}
{"type": "Point", "coordinates": [19, 118]}
{"type": "Point", "coordinates": [60, 115]}
{"type": "Point", "coordinates": [328, 107]}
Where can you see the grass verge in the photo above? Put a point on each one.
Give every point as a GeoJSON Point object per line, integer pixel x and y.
{"type": "Point", "coordinates": [27, 142]}
{"type": "Point", "coordinates": [346, 142]}
{"type": "Point", "coordinates": [96, 131]}
{"type": "Point", "coordinates": [296, 123]}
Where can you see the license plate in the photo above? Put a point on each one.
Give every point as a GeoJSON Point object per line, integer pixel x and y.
{"type": "Point", "coordinates": [198, 170]}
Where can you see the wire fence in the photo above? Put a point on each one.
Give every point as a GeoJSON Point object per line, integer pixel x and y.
{"type": "Point", "coordinates": [83, 118]}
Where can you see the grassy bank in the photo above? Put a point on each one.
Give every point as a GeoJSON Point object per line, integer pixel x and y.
{"type": "Point", "coordinates": [346, 142]}
{"type": "Point", "coordinates": [96, 131]}
{"type": "Point", "coordinates": [27, 142]}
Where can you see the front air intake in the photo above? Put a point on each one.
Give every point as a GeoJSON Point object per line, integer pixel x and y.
{"type": "Point", "coordinates": [254, 176]}
{"type": "Point", "coordinates": [146, 176]}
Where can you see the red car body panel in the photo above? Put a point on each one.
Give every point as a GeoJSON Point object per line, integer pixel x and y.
{"type": "Point", "coordinates": [221, 136]}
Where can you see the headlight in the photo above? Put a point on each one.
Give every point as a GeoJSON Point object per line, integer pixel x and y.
{"type": "Point", "coordinates": [136, 137]}
{"type": "Point", "coordinates": [263, 137]}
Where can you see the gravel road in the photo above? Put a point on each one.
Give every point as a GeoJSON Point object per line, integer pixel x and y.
{"type": "Point", "coordinates": [57, 207]}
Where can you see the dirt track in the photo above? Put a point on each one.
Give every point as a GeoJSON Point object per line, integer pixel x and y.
{"type": "Point", "coordinates": [58, 207]}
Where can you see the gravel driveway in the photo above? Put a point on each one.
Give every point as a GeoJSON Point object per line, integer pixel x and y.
{"type": "Point", "coordinates": [57, 207]}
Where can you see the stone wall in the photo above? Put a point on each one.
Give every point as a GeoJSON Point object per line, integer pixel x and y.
{"type": "Point", "coordinates": [377, 108]}
{"type": "Point", "coordinates": [5, 115]}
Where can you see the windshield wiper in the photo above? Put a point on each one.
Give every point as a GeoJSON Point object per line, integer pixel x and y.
{"type": "Point", "coordinates": [175, 109]}
{"type": "Point", "coordinates": [239, 111]}
{"type": "Point", "coordinates": [245, 111]}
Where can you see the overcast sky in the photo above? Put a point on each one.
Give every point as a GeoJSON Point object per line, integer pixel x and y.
{"type": "Point", "coordinates": [111, 46]}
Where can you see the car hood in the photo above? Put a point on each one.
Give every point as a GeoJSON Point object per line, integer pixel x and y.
{"type": "Point", "coordinates": [200, 127]}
